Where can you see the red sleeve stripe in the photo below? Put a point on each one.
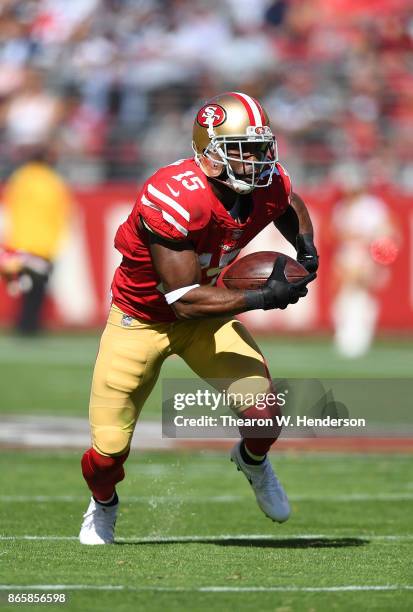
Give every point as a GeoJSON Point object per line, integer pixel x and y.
{"type": "Point", "coordinates": [253, 108]}
{"type": "Point", "coordinates": [169, 201]}
{"type": "Point", "coordinates": [169, 218]}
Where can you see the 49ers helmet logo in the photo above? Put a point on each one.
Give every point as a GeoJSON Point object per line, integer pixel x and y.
{"type": "Point", "coordinates": [211, 114]}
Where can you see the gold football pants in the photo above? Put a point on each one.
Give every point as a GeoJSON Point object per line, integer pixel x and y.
{"type": "Point", "coordinates": [130, 359]}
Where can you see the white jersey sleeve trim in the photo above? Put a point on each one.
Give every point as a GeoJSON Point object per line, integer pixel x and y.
{"type": "Point", "coordinates": [169, 218]}
{"type": "Point", "coordinates": [167, 200]}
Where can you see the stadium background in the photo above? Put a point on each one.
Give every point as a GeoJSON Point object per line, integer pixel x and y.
{"type": "Point", "coordinates": [119, 83]}
{"type": "Point", "coordinates": [115, 85]}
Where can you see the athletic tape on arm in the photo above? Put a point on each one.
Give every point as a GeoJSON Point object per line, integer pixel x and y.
{"type": "Point", "coordinates": [176, 295]}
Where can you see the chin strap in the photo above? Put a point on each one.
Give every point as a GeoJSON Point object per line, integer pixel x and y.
{"type": "Point", "coordinates": [231, 181]}
{"type": "Point", "coordinates": [230, 184]}
{"type": "Point", "coordinates": [235, 184]}
{"type": "Point", "coordinates": [240, 186]}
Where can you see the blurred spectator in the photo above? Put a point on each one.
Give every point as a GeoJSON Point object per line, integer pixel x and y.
{"type": "Point", "coordinates": [335, 76]}
{"type": "Point", "coordinates": [360, 220]}
{"type": "Point", "coordinates": [32, 113]}
{"type": "Point", "coordinates": [80, 138]}
{"type": "Point", "coordinates": [37, 204]}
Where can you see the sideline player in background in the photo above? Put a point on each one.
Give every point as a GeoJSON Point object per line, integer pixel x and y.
{"type": "Point", "coordinates": [37, 206]}
{"type": "Point", "coordinates": [190, 220]}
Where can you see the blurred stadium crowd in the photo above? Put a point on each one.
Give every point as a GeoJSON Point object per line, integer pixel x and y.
{"type": "Point", "coordinates": [111, 86]}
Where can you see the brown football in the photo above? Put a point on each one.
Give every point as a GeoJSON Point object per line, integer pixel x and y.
{"type": "Point", "coordinates": [251, 271]}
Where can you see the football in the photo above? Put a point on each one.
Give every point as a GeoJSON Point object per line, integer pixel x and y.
{"type": "Point", "coordinates": [251, 271]}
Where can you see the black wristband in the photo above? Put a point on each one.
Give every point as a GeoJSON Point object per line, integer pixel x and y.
{"type": "Point", "coordinates": [306, 242]}
{"type": "Point", "coordinates": [254, 299]}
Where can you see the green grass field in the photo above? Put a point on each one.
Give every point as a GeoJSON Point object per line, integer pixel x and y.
{"type": "Point", "coordinates": [351, 527]}
{"type": "Point", "coordinates": [190, 536]}
{"type": "Point", "coordinates": [52, 375]}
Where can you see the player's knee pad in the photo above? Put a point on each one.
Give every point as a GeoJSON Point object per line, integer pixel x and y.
{"type": "Point", "coordinates": [246, 392]}
{"type": "Point", "coordinates": [111, 441]}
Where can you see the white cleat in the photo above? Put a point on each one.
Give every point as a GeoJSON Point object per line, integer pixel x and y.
{"type": "Point", "coordinates": [98, 525]}
{"type": "Point", "coordinates": [268, 490]}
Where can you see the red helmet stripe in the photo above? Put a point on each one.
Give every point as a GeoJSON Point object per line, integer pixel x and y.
{"type": "Point", "coordinates": [253, 108]}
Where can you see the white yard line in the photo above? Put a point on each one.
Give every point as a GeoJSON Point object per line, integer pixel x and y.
{"type": "Point", "coordinates": [224, 537]}
{"type": "Point", "coordinates": [212, 499]}
{"type": "Point", "coordinates": [204, 589]}
{"type": "Point", "coordinates": [352, 497]}
{"type": "Point", "coordinates": [150, 499]}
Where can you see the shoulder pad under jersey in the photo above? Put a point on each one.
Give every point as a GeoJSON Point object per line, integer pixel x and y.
{"type": "Point", "coordinates": [174, 201]}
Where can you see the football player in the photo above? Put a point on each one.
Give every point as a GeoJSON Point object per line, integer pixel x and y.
{"type": "Point", "coordinates": [190, 220]}
{"type": "Point", "coordinates": [13, 269]}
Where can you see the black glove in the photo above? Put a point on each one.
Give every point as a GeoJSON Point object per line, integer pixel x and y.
{"type": "Point", "coordinates": [306, 252]}
{"type": "Point", "coordinates": [277, 291]}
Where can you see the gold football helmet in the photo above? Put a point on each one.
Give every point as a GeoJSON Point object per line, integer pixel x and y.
{"type": "Point", "coordinates": [232, 131]}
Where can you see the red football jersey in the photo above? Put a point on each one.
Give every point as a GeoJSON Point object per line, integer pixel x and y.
{"type": "Point", "coordinates": [178, 203]}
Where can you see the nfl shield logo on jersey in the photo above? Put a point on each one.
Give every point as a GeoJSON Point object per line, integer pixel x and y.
{"type": "Point", "coordinates": [126, 321]}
